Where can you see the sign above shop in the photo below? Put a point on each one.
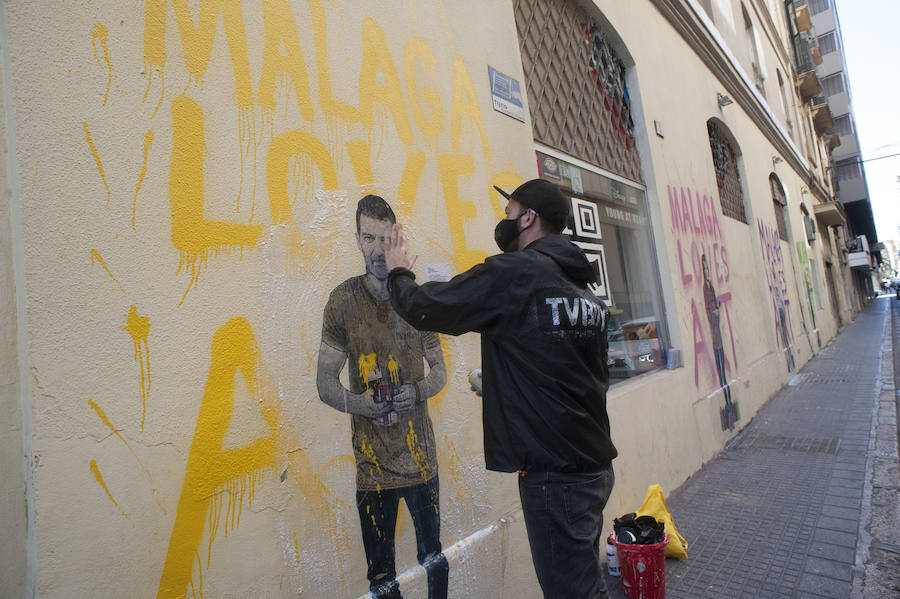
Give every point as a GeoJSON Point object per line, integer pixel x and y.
{"type": "Point", "coordinates": [507, 94]}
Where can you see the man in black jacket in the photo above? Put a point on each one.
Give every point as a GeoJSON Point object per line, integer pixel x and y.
{"type": "Point", "coordinates": [543, 351]}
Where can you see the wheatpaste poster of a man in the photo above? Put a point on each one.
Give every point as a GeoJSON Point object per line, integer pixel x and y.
{"type": "Point", "coordinates": [392, 434]}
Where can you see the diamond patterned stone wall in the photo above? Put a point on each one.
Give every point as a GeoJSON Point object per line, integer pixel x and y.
{"type": "Point", "coordinates": [577, 96]}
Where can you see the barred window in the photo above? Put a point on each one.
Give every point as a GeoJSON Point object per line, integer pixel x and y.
{"type": "Point", "coordinates": [827, 43]}
{"type": "Point", "coordinates": [842, 125]}
{"type": "Point", "coordinates": [817, 6]}
{"type": "Point", "coordinates": [779, 203]}
{"type": "Point", "coordinates": [728, 178]}
{"type": "Point", "coordinates": [848, 170]}
{"type": "Point", "coordinates": [833, 84]}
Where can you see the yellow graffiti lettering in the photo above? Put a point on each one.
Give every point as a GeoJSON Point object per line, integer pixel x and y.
{"type": "Point", "coordinates": [360, 159]}
{"type": "Point", "coordinates": [416, 48]}
{"type": "Point", "coordinates": [148, 141]}
{"type": "Point", "coordinates": [506, 180]}
{"type": "Point", "coordinates": [465, 104]}
{"type": "Point", "coordinates": [211, 470]}
{"type": "Point", "coordinates": [192, 235]}
{"type": "Point", "coordinates": [284, 147]}
{"type": "Point", "coordinates": [139, 329]}
{"type": "Point", "coordinates": [330, 105]}
{"type": "Point", "coordinates": [451, 166]}
{"type": "Point", "coordinates": [197, 39]}
{"type": "Point", "coordinates": [376, 57]}
{"type": "Point", "coordinates": [409, 183]}
{"type": "Point", "coordinates": [280, 27]}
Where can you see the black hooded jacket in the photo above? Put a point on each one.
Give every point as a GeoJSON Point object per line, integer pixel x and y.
{"type": "Point", "coordinates": [543, 351]}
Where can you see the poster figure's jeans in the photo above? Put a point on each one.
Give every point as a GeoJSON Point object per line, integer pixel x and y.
{"type": "Point", "coordinates": [730, 415]}
{"type": "Point", "coordinates": [378, 521]}
{"type": "Point", "coordinates": [563, 517]}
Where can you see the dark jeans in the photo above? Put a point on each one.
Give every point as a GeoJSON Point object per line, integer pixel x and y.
{"type": "Point", "coordinates": [378, 521]}
{"type": "Point", "coordinates": [563, 517]}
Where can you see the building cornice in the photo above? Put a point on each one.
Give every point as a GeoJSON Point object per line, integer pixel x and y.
{"type": "Point", "coordinates": [694, 26]}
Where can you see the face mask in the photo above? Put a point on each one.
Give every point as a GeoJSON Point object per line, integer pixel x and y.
{"type": "Point", "coordinates": [506, 232]}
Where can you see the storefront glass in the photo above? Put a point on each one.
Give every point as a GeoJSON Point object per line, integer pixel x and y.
{"type": "Point", "coordinates": [610, 222]}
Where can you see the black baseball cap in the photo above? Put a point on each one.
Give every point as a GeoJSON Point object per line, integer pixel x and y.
{"type": "Point", "coordinates": [543, 197]}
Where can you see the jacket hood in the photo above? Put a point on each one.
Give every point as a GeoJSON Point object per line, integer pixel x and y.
{"type": "Point", "coordinates": [568, 256]}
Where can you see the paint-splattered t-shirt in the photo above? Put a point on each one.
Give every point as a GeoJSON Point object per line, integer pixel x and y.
{"type": "Point", "coordinates": [372, 335]}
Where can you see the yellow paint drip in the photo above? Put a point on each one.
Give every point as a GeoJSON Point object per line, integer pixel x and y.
{"type": "Point", "coordinates": [95, 255]}
{"type": "Point", "coordinates": [99, 35]}
{"type": "Point", "coordinates": [139, 328]}
{"type": "Point", "coordinates": [367, 365]}
{"type": "Point", "coordinates": [393, 369]}
{"type": "Point", "coordinates": [90, 142]}
{"type": "Point", "coordinates": [418, 455]}
{"type": "Point", "coordinates": [109, 425]}
{"type": "Point", "coordinates": [369, 452]}
{"type": "Point", "coordinates": [296, 549]}
{"type": "Point", "coordinates": [148, 141]}
{"type": "Point", "coordinates": [99, 477]}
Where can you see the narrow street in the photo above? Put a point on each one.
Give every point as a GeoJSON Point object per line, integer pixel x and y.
{"type": "Point", "coordinates": [803, 502]}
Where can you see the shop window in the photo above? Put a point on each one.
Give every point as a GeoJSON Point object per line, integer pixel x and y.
{"type": "Point", "coordinates": [779, 203]}
{"type": "Point", "coordinates": [728, 179]}
{"type": "Point", "coordinates": [610, 222]}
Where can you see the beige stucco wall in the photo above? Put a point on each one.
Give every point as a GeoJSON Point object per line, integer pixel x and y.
{"type": "Point", "coordinates": [185, 219]}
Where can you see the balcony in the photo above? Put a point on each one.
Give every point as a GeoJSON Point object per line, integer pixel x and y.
{"type": "Point", "coordinates": [859, 261]}
{"type": "Point", "coordinates": [808, 84]}
{"type": "Point", "coordinates": [807, 81]}
{"type": "Point", "coordinates": [831, 141]}
{"type": "Point", "coordinates": [821, 114]}
{"type": "Point", "coordinates": [830, 214]}
{"type": "Point", "coordinates": [816, 55]}
{"type": "Point", "coordinates": [801, 11]}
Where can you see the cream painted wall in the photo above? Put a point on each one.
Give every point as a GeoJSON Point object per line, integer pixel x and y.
{"type": "Point", "coordinates": [185, 220]}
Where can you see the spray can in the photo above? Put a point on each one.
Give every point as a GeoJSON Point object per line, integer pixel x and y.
{"type": "Point", "coordinates": [612, 558]}
{"type": "Point", "coordinates": [475, 379]}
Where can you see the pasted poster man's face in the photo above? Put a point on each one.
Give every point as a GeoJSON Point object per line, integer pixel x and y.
{"type": "Point", "coordinates": [370, 238]}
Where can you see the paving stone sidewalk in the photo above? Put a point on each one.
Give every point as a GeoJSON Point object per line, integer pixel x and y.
{"type": "Point", "coordinates": [784, 510]}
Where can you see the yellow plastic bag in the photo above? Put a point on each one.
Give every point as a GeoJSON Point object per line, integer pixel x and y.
{"type": "Point", "coordinates": [655, 505]}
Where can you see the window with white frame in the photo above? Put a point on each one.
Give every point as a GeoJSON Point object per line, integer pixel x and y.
{"type": "Point", "coordinates": [848, 170]}
{"type": "Point", "coordinates": [833, 84]}
{"type": "Point", "coordinates": [842, 125]}
{"type": "Point", "coordinates": [817, 6]}
{"type": "Point", "coordinates": [827, 43]}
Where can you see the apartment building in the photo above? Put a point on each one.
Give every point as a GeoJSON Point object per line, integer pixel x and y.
{"type": "Point", "coordinates": [182, 184]}
{"type": "Point", "coordinates": [849, 174]}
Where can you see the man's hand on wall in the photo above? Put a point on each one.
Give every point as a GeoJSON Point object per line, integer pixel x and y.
{"type": "Point", "coordinates": [395, 251]}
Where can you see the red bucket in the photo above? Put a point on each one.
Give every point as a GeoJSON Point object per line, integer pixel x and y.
{"type": "Point", "coordinates": [643, 568]}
